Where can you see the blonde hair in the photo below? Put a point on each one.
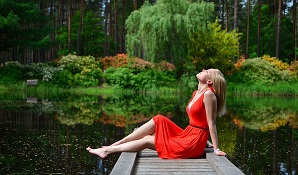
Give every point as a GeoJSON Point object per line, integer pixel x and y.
{"type": "Point", "coordinates": [220, 85]}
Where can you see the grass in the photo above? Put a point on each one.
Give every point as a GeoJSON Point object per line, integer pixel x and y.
{"type": "Point", "coordinates": [276, 89]}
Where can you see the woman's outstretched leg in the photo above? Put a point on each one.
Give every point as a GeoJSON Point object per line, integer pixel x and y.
{"type": "Point", "coordinates": [147, 128]}
{"type": "Point", "coordinates": [132, 146]}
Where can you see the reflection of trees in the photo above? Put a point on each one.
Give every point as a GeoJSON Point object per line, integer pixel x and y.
{"type": "Point", "coordinates": [264, 114]}
{"type": "Point", "coordinates": [51, 136]}
{"type": "Point", "coordinates": [266, 152]}
{"type": "Point", "coordinates": [37, 144]}
{"type": "Point", "coordinates": [227, 133]}
{"type": "Point", "coordinates": [135, 109]}
{"type": "Point", "coordinates": [265, 144]}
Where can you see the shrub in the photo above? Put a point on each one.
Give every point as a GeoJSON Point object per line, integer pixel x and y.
{"type": "Point", "coordinates": [120, 77]}
{"type": "Point", "coordinates": [136, 64]}
{"type": "Point", "coordinates": [78, 71]}
{"type": "Point", "coordinates": [10, 73]}
{"type": "Point", "coordinates": [260, 71]}
{"type": "Point", "coordinates": [126, 78]}
{"type": "Point", "coordinates": [278, 63]}
{"type": "Point", "coordinates": [135, 73]}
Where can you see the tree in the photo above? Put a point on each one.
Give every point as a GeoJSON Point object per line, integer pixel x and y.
{"type": "Point", "coordinates": [236, 14]}
{"type": "Point", "coordinates": [93, 35]}
{"type": "Point", "coordinates": [295, 26]}
{"type": "Point", "coordinates": [259, 27]}
{"type": "Point", "coordinates": [247, 29]}
{"type": "Point", "coordinates": [161, 31]}
{"type": "Point", "coordinates": [214, 47]}
{"type": "Point", "coordinates": [278, 27]}
{"type": "Point", "coordinates": [69, 26]}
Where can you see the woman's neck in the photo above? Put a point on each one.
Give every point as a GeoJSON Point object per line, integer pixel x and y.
{"type": "Point", "coordinates": [202, 87]}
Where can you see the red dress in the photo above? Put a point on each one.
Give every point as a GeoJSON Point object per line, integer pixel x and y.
{"type": "Point", "coordinates": [172, 142]}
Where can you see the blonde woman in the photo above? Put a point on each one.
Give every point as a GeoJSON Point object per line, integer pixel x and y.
{"type": "Point", "coordinates": [169, 140]}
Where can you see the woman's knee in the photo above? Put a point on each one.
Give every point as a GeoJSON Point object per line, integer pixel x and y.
{"type": "Point", "coordinates": [149, 141]}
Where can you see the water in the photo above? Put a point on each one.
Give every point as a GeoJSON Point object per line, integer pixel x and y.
{"type": "Point", "coordinates": [49, 136]}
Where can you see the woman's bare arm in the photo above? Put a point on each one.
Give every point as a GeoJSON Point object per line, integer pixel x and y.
{"type": "Point", "coordinates": [211, 107]}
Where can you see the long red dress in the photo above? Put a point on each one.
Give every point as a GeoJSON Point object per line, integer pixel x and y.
{"type": "Point", "coordinates": [172, 142]}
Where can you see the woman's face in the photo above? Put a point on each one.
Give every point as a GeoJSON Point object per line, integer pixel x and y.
{"type": "Point", "coordinates": [206, 75]}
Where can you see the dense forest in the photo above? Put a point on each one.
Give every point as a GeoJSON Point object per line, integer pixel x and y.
{"type": "Point", "coordinates": [41, 31]}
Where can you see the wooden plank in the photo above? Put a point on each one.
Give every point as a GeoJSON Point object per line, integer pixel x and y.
{"type": "Point", "coordinates": [148, 162]}
{"type": "Point", "coordinates": [125, 164]}
{"type": "Point", "coordinates": [222, 165]}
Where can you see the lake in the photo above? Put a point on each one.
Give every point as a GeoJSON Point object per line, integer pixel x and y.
{"type": "Point", "coordinates": [48, 133]}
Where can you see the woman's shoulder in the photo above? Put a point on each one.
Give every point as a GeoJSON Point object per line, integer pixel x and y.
{"type": "Point", "coordinates": [209, 95]}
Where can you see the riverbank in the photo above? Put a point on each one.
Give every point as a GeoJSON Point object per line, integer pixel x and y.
{"type": "Point", "coordinates": [278, 89]}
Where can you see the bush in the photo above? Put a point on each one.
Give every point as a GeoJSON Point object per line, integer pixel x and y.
{"type": "Point", "coordinates": [135, 73]}
{"type": "Point", "coordinates": [10, 73]}
{"type": "Point", "coordinates": [78, 71]}
{"type": "Point", "coordinates": [120, 77]}
{"type": "Point", "coordinates": [126, 78]}
{"type": "Point", "coordinates": [260, 71]}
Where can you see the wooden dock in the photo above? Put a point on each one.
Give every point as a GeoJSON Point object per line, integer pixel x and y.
{"type": "Point", "coordinates": [147, 162]}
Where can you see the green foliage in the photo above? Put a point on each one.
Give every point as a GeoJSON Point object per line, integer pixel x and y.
{"type": "Point", "coordinates": [213, 48]}
{"type": "Point", "coordinates": [9, 22]}
{"type": "Point", "coordinates": [263, 113]}
{"type": "Point", "coordinates": [10, 74]}
{"type": "Point", "coordinates": [78, 71]}
{"type": "Point", "coordinates": [160, 31]}
{"type": "Point", "coordinates": [127, 78]}
{"type": "Point", "coordinates": [92, 35]}
{"type": "Point", "coordinates": [188, 83]}
{"type": "Point", "coordinates": [268, 34]}
{"type": "Point", "coordinates": [121, 77]}
{"type": "Point", "coordinates": [260, 71]}
{"type": "Point", "coordinates": [13, 72]}
{"type": "Point", "coordinates": [24, 24]}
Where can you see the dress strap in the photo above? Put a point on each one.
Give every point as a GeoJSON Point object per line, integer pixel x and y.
{"type": "Point", "coordinates": [211, 88]}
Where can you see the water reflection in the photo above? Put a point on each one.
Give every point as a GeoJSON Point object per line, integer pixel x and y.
{"type": "Point", "coordinates": [50, 136]}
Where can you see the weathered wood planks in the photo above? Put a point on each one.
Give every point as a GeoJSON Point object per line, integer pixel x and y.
{"type": "Point", "coordinates": [147, 162]}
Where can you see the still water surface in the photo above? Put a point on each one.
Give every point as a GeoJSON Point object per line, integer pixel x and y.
{"type": "Point", "coordinates": [49, 136]}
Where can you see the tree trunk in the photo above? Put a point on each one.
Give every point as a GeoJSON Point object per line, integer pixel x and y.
{"type": "Point", "coordinates": [135, 4]}
{"type": "Point", "coordinates": [105, 49]}
{"type": "Point", "coordinates": [223, 14]}
{"type": "Point", "coordinates": [69, 27]}
{"type": "Point", "coordinates": [116, 28]}
{"type": "Point", "coordinates": [295, 26]}
{"type": "Point", "coordinates": [122, 39]}
{"type": "Point", "coordinates": [236, 14]}
{"type": "Point", "coordinates": [80, 29]}
{"type": "Point", "coordinates": [259, 28]}
{"type": "Point", "coordinates": [278, 28]}
{"type": "Point", "coordinates": [247, 29]}
{"type": "Point", "coordinates": [227, 16]}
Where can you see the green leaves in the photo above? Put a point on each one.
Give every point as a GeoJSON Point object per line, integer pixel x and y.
{"type": "Point", "coordinates": [160, 32]}
{"type": "Point", "coordinates": [260, 71]}
{"type": "Point", "coordinates": [78, 71]}
{"type": "Point", "coordinates": [213, 48]}
{"type": "Point", "coordinates": [9, 22]}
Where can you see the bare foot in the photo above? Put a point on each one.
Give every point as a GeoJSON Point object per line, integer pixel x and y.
{"type": "Point", "coordinates": [101, 152]}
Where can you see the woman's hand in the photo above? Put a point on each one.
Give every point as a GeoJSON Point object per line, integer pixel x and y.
{"type": "Point", "coordinates": [218, 152]}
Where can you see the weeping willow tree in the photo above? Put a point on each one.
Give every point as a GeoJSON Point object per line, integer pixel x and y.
{"type": "Point", "coordinates": [161, 31]}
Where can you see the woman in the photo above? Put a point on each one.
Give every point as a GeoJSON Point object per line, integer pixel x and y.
{"type": "Point", "coordinates": [168, 139]}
